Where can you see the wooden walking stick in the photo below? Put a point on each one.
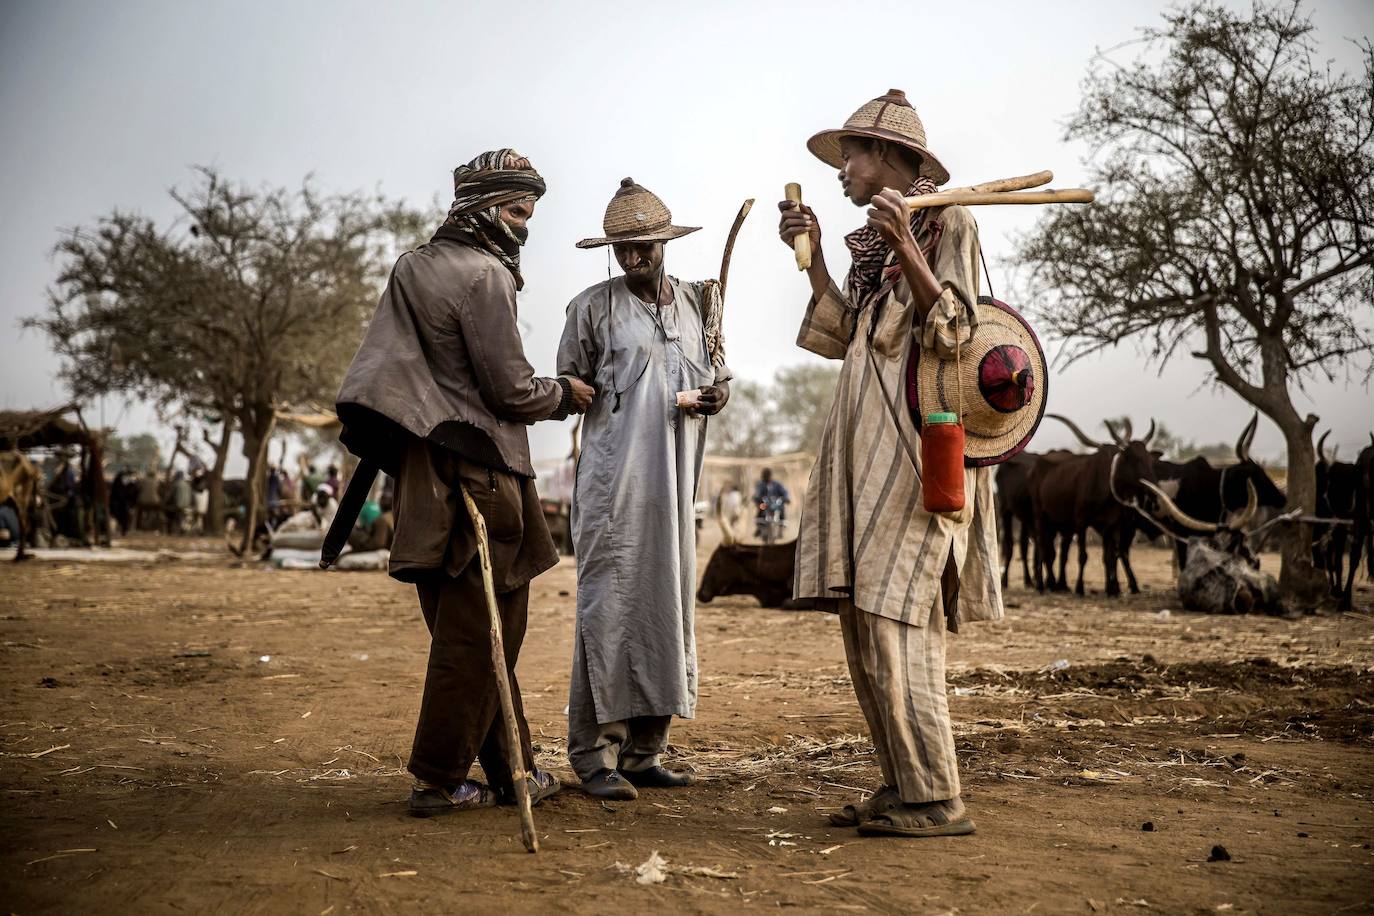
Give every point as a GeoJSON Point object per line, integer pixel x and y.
{"type": "Point", "coordinates": [730, 242]}
{"type": "Point", "coordinates": [801, 244]}
{"type": "Point", "coordinates": [515, 756]}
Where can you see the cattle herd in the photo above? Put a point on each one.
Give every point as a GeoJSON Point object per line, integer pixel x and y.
{"type": "Point", "coordinates": [1216, 515]}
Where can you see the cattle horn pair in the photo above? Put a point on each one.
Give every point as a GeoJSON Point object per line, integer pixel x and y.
{"type": "Point", "coordinates": [1247, 437]}
{"type": "Point", "coordinates": [1127, 433]}
{"type": "Point", "coordinates": [1238, 523]}
{"type": "Point", "coordinates": [1073, 427]}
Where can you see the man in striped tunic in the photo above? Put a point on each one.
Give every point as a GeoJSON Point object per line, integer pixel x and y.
{"type": "Point", "coordinates": [897, 575]}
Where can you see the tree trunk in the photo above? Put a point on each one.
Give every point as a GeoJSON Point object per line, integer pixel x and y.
{"type": "Point", "coordinates": [1303, 585]}
{"type": "Point", "coordinates": [256, 425]}
{"type": "Point", "coordinates": [214, 485]}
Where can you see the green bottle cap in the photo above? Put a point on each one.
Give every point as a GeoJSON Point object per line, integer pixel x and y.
{"type": "Point", "coordinates": [932, 418]}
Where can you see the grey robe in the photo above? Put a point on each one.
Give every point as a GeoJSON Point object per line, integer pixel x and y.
{"type": "Point", "coordinates": [633, 517]}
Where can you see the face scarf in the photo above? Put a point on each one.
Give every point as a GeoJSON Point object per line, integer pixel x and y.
{"type": "Point", "coordinates": [868, 251]}
{"type": "Point", "coordinates": [480, 189]}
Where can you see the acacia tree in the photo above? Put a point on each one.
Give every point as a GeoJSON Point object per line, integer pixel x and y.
{"type": "Point", "coordinates": [786, 416]}
{"type": "Point", "coordinates": [1235, 223]}
{"type": "Point", "coordinates": [251, 301]}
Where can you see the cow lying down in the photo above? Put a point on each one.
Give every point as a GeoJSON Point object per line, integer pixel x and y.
{"type": "Point", "coordinates": [1222, 575]}
{"type": "Point", "coordinates": [762, 570]}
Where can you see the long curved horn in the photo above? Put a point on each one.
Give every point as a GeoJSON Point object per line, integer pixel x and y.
{"type": "Point", "coordinates": [727, 537]}
{"type": "Point", "coordinates": [1073, 427]}
{"type": "Point", "coordinates": [1245, 516]}
{"type": "Point", "coordinates": [1116, 436]}
{"type": "Point", "coordinates": [1151, 434]}
{"type": "Point", "coordinates": [1321, 448]}
{"type": "Point", "coordinates": [1111, 484]}
{"type": "Point", "coordinates": [1130, 430]}
{"type": "Point", "coordinates": [1177, 514]}
{"type": "Point", "coordinates": [1247, 436]}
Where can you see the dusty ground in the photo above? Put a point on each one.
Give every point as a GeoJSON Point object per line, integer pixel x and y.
{"type": "Point", "coordinates": [185, 736]}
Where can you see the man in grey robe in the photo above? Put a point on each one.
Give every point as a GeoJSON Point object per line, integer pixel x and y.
{"type": "Point", "coordinates": [639, 340]}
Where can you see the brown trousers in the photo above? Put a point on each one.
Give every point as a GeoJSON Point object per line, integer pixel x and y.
{"type": "Point", "coordinates": [460, 714]}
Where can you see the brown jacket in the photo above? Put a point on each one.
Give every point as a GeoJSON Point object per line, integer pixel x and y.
{"type": "Point", "coordinates": [440, 394]}
{"type": "Point", "coordinates": [442, 360]}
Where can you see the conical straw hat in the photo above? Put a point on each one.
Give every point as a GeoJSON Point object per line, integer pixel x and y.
{"type": "Point", "coordinates": [636, 214]}
{"type": "Point", "coordinates": [888, 117]}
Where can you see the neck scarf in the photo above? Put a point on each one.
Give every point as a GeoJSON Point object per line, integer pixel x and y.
{"type": "Point", "coordinates": [480, 188]}
{"type": "Point", "coordinates": [869, 252]}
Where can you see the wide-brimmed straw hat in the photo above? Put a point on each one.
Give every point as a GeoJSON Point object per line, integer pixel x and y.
{"type": "Point", "coordinates": [1001, 372]}
{"type": "Point", "coordinates": [636, 214]}
{"type": "Point", "coordinates": [888, 117]}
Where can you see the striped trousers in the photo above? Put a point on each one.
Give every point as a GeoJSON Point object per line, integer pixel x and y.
{"type": "Point", "coordinates": [898, 672]}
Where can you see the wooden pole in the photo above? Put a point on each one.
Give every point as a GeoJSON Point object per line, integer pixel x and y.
{"type": "Point", "coordinates": [515, 756]}
{"type": "Point", "coordinates": [801, 245]}
{"type": "Point", "coordinates": [982, 198]}
{"type": "Point", "coordinates": [1019, 183]}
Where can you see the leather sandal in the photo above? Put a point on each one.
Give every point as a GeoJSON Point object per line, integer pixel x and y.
{"type": "Point", "coordinates": [916, 821]}
{"type": "Point", "coordinates": [855, 814]}
{"type": "Point", "coordinates": [429, 800]}
{"type": "Point", "coordinates": [542, 784]}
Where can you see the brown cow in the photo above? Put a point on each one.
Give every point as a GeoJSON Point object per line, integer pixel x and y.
{"type": "Point", "coordinates": [1014, 505]}
{"type": "Point", "coordinates": [1098, 491]}
{"type": "Point", "coordinates": [762, 570]}
{"type": "Point", "coordinates": [18, 484]}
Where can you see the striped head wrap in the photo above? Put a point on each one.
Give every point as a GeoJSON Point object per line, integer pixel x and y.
{"type": "Point", "coordinates": [868, 251]}
{"type": "Point", "coordinates": [480, 189]}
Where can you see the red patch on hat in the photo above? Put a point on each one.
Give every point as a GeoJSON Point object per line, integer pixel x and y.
{"type": "Point", "coordinates": [1006, 378]}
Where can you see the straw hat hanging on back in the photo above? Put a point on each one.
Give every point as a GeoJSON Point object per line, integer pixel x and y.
{"type": "Point", "coordinates": [888, 117]}
{"type": "Point", "coordinates": [997, 385]}
{"type": "Point", "coordinates": [635, 214]}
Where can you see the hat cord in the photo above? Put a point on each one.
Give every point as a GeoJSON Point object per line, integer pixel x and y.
{"type": "Point", "coordinates": [987, 273]}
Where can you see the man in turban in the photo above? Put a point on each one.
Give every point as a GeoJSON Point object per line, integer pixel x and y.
{"type": "Point", "coordinates": [439, 396]}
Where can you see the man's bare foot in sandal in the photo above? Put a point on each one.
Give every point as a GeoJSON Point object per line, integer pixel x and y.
{"type": "Point", "coordinates": [937, 818]}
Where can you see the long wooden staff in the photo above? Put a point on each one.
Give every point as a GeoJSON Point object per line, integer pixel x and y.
{"type": "Point", "coordinates": [1003, 191]}
{"type": "Point", "coordinates": [515, 756]}
{"type": "Point", "coordinates": [730, 242]}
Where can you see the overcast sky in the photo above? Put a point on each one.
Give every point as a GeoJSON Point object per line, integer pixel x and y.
{"type": "Point", "coordinates": [107, 105]}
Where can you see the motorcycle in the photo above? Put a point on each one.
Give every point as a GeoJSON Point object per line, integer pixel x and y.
{"type": "Point", "coordinates": [769, 524]}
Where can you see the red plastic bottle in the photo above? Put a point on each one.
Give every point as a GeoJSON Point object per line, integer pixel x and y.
{"type": "Point", "coordinates": [942, 463]}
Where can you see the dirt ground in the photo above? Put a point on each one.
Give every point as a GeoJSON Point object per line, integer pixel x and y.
{"type": "Point", "coordinates": [188, 736]}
